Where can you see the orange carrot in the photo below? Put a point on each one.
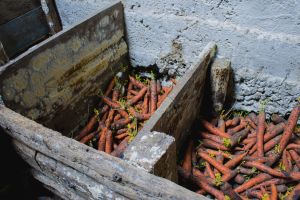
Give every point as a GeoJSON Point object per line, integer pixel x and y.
{"type": "Point", "coordinates": [109, 142]}
{"type": "Point", "coordinates": [88, 137]}
{"type": "Point", "coordinates": [287, 161]}
{"type": "Point", "coordinates": [109, 117]}
{"type": "Point", "coordinates": [187, 159]}
{"type": "Point", "coordinates": [153, 96]}
{"type": "Point", "coordinates": [293, 146]}
{"type": "Point", "coordinates": [117, 117]}
{"type": "Point", "coordinates": [214, 163]}
{"type": "Point", "coordinates": [197, 173]}
{"type": "Point", "coordinates": [274, 195]}
{"type": "Point", "coordinates": [246, 171]}
{"type": "Point", "coordinates": [121, 136]}
{"type": "Point", "coordinates": [214, 145]}
{"type": "Point", "coordinates": [295, 157]}
{"type": "Point", "coordinates": [137, 115]}
{"type": "Point", "coordinates": [272, 143]}
{"type": "Point", "coordinates": [104, 109]}
{"type": "Point", "coordinates": [201, 182]}
{"type": "Point", "coordinates": [235, 160]}
{"type": "Point", "coordinates": [250, 122]}
{"type": "Point", "coordinates": [136, 98]}
{"type": "Point", "coordinates": [173, 81]}
{"type": "Point", "coordinates": [294, 175]}
{"type": "Point", "coordinates": [232, 122]}
{"type": "Point", "coordinates": [228, 176]}
{"type": "Point", "coordinates": [274, 181]}
{"type": "Point", "coordinates": [120, 123]}
{"type": "Point", "coordinates": [123, 130]}
{"type": "Point", "coordinates": [268, 136]}
{"type": "Point", "coordinates": [278, 128]}
{"type": "Point", "coordinates": [221, 125]}
{"type": "Point", "coordinates": [266, 169]}
{"type": "Point", "coordinates": [239, 179]}
{"type": "Point", "coordinates": [214, 130]}
{"type": "Point", "coordinates": [130, 85]}
{"type": "Point", "coordinates": [277, 119]}
{"type": "Point", "coordinates": [145, 108]}
{"type": "Point", "coordinates": [158, 86]}
{"type": "Point", "coordinates": [248, 146]}
{"type": "Point", "coordinates": [102, 140]}
{"type": "Point", "coordinates": [255, 194]}
{"type": "Point", "coordinates": [111, 103]}
{"type": "Point", "coordinates": [133, 92]}
{"type": "Point", "coordinates": [287, 134]}
{"type": "Point", "coordinates": [88, 128]}
{"type": "Point", "coordinates": [260, 134]}
{"type": "Point", "coordinates": [213, 152]}
{"type": "Point", "coordinates": [121, 147]}
{"type": "Point", "coordinates": [253, 117]}
{"type": "Point", "coordinates": [256, 180]}
{"type": "Point", "coordinates": [104, 117]}
{"type": "Point", "coordinates": [226, 188]}
{"type": "Point", "coordinates": [249, 140]}
{"type": "Point", "coordinates": [212, 137]}
{"type": "Point", "coordinates": [201, 191]}
{"type": "Point", "coordinates": [235, 129]}
{"type": "Point", "coordinates": [164, 96]}
{"type": "Point", "coordinates": [136, 82]}
{"type": "Point", "coordinates": [295, 194]}
{"type": "Point", "coordinates": [210, 171]}
{"type": "Point", "coordinates": [260, 159]}
{"type": "Point", "coordinates": [110, 87]}
{"type": "Point", "coordinates": [239, 136]}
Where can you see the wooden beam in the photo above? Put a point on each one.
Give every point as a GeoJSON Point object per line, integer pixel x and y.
{"type": "Point", "coordinates": [52, 15]}
{"type": "Point", "coordinates": [3, 56]}
{"type": "Point", "coordinates": [22, 32]}
{"type": "Point", "coordinates": [10, 9]}
{"type": "Point", "coordinates": [112, 172]}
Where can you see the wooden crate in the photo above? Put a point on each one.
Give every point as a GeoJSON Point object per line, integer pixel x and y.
{"type": "Point", "coordinates": [24, 23]}
{"type": "Point", "coordinates": [47, 92]}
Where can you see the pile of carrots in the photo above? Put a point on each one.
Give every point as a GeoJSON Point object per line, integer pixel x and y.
{"type": "Point", "coordinates": [244, 157]}
{"type": "Point", "coordinates": [123, 108]}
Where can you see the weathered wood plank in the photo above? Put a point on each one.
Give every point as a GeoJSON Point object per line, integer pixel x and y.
{"type": "Point", "coordinates": [56, 82]}
{"type": "Point", "coordinates": [112, 172]}
{"type": "Point", "coordinates": [87, 187]}
{"type": "Point", "coordinates": [10, 9]}
{"type": "Point", "coordinates": [56, 187]}
{"type": "Point", "coordinates": [52, 16]}
{"type": "Point", "coordinates": [3, 56]}
{"type": "Point", "coordinates": [175, 117]}
{"type": "Point", "coordinates": [219, 79]}
{"type": "Point", "coordinates": [22, 32]}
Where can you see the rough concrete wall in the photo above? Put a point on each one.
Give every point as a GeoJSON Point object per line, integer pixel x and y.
{"type": "Point", "coordinates": [260, 37]}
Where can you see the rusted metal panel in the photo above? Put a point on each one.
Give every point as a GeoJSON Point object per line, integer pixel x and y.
{"type": "Point", "coordinates": [10, 9]}
{"type": "Point", "coordinates": [20, 33]}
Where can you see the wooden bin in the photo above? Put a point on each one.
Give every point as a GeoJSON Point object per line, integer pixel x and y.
{"type": "Point", "coordinates": [47, 92]}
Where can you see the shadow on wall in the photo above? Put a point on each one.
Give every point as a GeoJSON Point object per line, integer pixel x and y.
{"type": "Point", "coordinates": [16, 181]}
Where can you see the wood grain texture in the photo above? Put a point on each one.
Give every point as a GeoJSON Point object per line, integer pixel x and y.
{"type": "Point", "coordinates": [10, 9]}
{"type": "Point", "coordinates": [131, 182]}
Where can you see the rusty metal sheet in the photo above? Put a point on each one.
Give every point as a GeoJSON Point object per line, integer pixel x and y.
{"type": "Point", "coordinates": [20, 33]}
